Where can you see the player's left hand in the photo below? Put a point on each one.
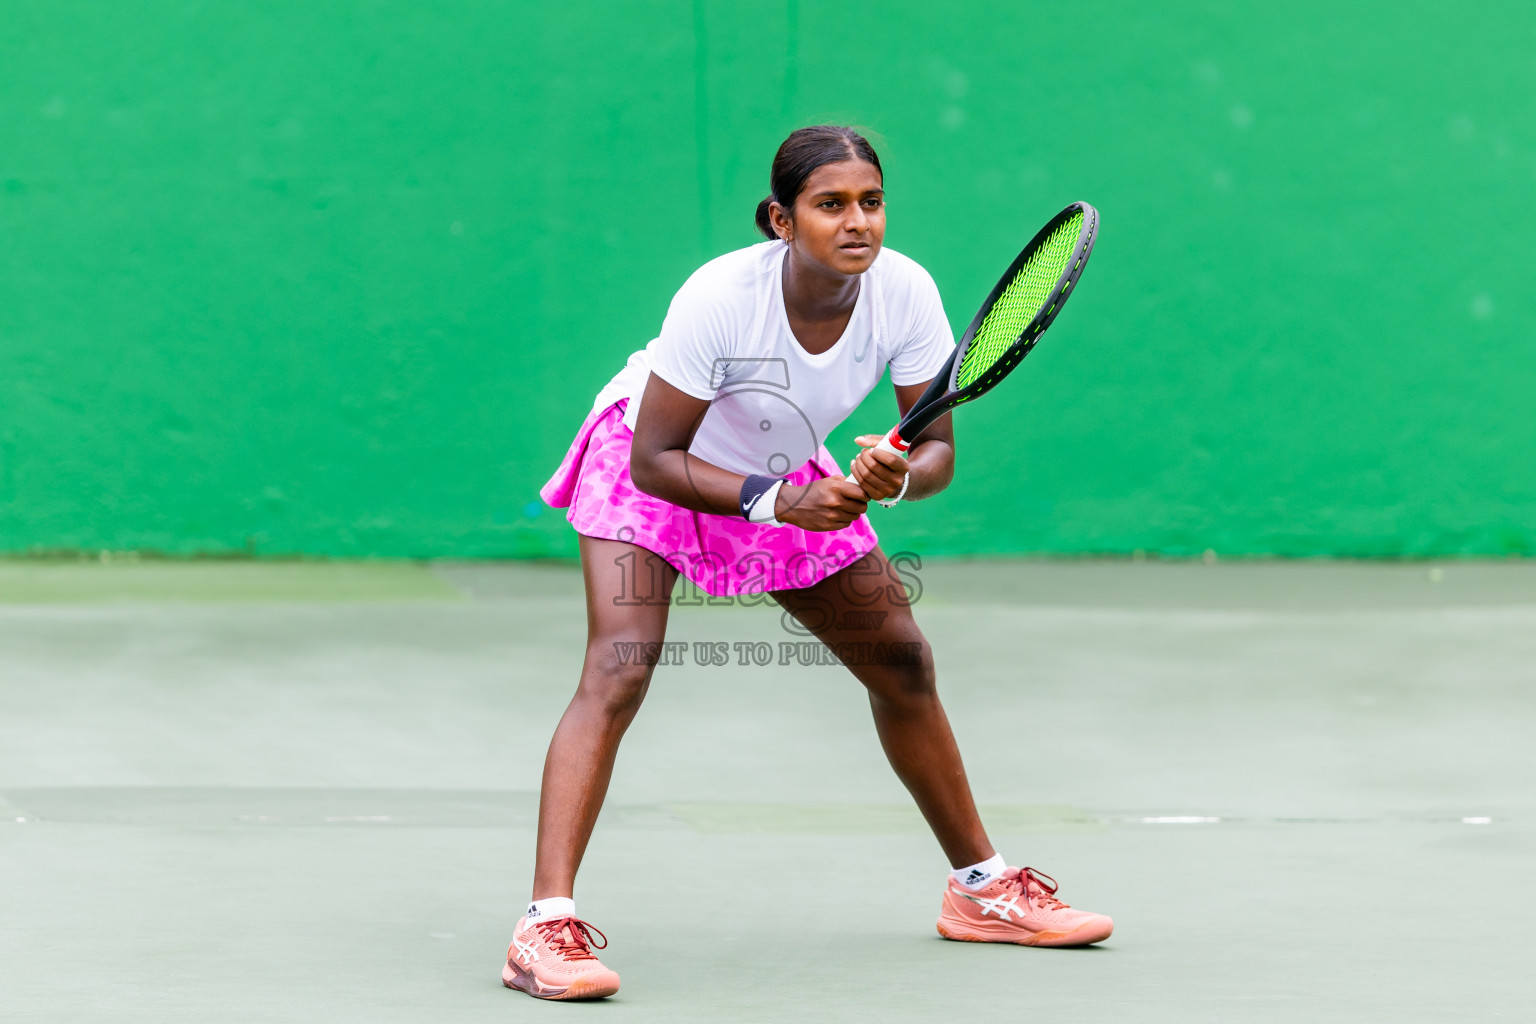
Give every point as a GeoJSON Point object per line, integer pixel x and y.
{"type": "Point", "coordinates": [880, 473]}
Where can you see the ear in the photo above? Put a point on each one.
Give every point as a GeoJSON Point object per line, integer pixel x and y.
{"type": "Point", "coordinates": [779, 218]}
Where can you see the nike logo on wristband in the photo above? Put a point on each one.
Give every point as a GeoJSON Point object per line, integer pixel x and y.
{"type": "Point", "coordinates": [753, 490]}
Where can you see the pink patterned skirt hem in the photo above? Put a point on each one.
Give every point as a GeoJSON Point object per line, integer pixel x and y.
{"type": "Point", "coordinates": [723, 555]}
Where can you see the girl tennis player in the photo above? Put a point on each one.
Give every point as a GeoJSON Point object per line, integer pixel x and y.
{"type": "Point", "coordinates": [703, 457]}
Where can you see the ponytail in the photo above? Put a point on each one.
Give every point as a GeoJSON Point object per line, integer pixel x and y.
{"type": "Point", "coordinates": [764, 222]}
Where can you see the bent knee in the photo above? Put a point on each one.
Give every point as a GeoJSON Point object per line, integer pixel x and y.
{"type": "Point", "coordinates": [904, 680]}
{"type": "Point", "coordinates": [616, 684]}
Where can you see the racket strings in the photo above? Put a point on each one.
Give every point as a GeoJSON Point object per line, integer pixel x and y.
{"type": "Point", "coordinates": [1020, 302]}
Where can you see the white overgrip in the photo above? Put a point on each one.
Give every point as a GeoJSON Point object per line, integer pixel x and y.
{"type": "Point", "coordinates": [891, 442]}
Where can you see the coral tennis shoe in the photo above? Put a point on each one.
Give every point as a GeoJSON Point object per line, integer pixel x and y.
{"type": "Point", "coordinates": [1018, 906]}
{"type": "Point", "coordinates": [553, 960]}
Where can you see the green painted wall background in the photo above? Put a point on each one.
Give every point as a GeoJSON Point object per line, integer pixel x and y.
{"type": "Point", "coordinates": [342, 277]}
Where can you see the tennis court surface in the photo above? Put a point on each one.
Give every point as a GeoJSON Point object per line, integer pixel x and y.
{"type": "Point", "coordinates": [262, 792]}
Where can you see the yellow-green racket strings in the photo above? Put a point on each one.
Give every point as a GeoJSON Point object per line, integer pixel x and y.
{"type": "Point", "coordinates": [1020, 302]}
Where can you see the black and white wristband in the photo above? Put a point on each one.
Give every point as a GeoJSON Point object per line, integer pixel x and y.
{"type": "Point", "coordinates": [759, 496]}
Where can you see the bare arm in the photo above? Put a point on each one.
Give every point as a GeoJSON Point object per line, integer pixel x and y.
{"type": "Point", "coordinates": [930, 459]}
{"type": "Point", "coordinates": [660, 465]}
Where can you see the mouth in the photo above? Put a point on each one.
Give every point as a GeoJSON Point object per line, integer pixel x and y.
{"type": "Point", "coordinates": [855, 248]}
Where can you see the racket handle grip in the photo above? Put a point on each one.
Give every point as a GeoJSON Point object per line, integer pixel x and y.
{"type": "Point", "coordinates": [891, 442]}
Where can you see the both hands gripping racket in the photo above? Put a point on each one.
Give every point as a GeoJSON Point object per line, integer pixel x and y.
{"type": "Point", "coordinates": [1018, 311]}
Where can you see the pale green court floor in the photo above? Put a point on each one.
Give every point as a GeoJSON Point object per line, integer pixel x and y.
{"type": "Point", "coordinates": [306, 793]}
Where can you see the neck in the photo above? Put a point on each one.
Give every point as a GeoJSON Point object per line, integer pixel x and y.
{"type": "Point", "coordinates": [813, 292]}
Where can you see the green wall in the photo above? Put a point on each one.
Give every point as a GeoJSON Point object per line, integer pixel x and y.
{"type": "Point", "coordinates": [342, 277]}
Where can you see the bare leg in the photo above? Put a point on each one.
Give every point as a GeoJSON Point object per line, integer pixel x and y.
{"type": "Point", "coordinates": [864, 604]}
{"type": "Point", "coordinates": [627, 592]}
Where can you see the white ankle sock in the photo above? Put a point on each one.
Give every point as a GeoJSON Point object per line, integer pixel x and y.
{"type": "Point", "coordinates": [976, 876]}
{"type": "Point", "coordinates": [550, 908]}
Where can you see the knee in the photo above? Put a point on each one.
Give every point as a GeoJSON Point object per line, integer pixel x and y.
{"type": "Point", "coordinates": [906, 681]}
{"type": "Point", "coordinates": [614, 687]}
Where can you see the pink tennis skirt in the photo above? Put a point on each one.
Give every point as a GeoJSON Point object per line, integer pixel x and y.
{"type": "Point", "coordinates": [723, 555]}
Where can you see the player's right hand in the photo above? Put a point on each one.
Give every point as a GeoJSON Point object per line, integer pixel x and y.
{"type": "Point", "coordinates": [821, 505]}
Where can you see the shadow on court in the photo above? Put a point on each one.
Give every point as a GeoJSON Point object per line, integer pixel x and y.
{"type": "Point", "coordinates": [255, 792]}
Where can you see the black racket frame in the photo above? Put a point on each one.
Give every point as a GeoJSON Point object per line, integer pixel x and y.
{"type": "Point", "coordinates": [942, 395]}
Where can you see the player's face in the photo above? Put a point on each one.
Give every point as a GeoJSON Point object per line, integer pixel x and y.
{"type": "Point", "coordinates": [840, 216]}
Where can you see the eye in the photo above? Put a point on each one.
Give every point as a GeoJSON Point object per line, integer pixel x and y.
{"type": "Point", "coordinates": [830, 204]}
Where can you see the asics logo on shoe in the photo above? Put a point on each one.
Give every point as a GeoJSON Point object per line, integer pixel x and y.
{"type": "Point", "coordinates": [525, 951]}
{"type": "Point", "coordinates": [999, 906]}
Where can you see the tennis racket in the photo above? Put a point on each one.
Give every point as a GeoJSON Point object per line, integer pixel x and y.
{"type": "Point", "coordinates": [1009, 323]}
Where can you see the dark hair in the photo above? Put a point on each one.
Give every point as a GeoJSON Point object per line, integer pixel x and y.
{"type": "Point", "coordinates": [805, 150]}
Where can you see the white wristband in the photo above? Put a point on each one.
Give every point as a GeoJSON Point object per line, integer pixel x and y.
{"type": "Point", "coordinates": [763, 511]}
{"type": "Point", "coordinates": [888, 502]}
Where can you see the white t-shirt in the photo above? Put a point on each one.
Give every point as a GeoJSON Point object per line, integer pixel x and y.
{"type": "Point", "coordinates": [726, 339]}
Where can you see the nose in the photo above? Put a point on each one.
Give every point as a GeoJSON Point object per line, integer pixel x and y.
{"type": "Point", "coordinates": [857, 220]}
